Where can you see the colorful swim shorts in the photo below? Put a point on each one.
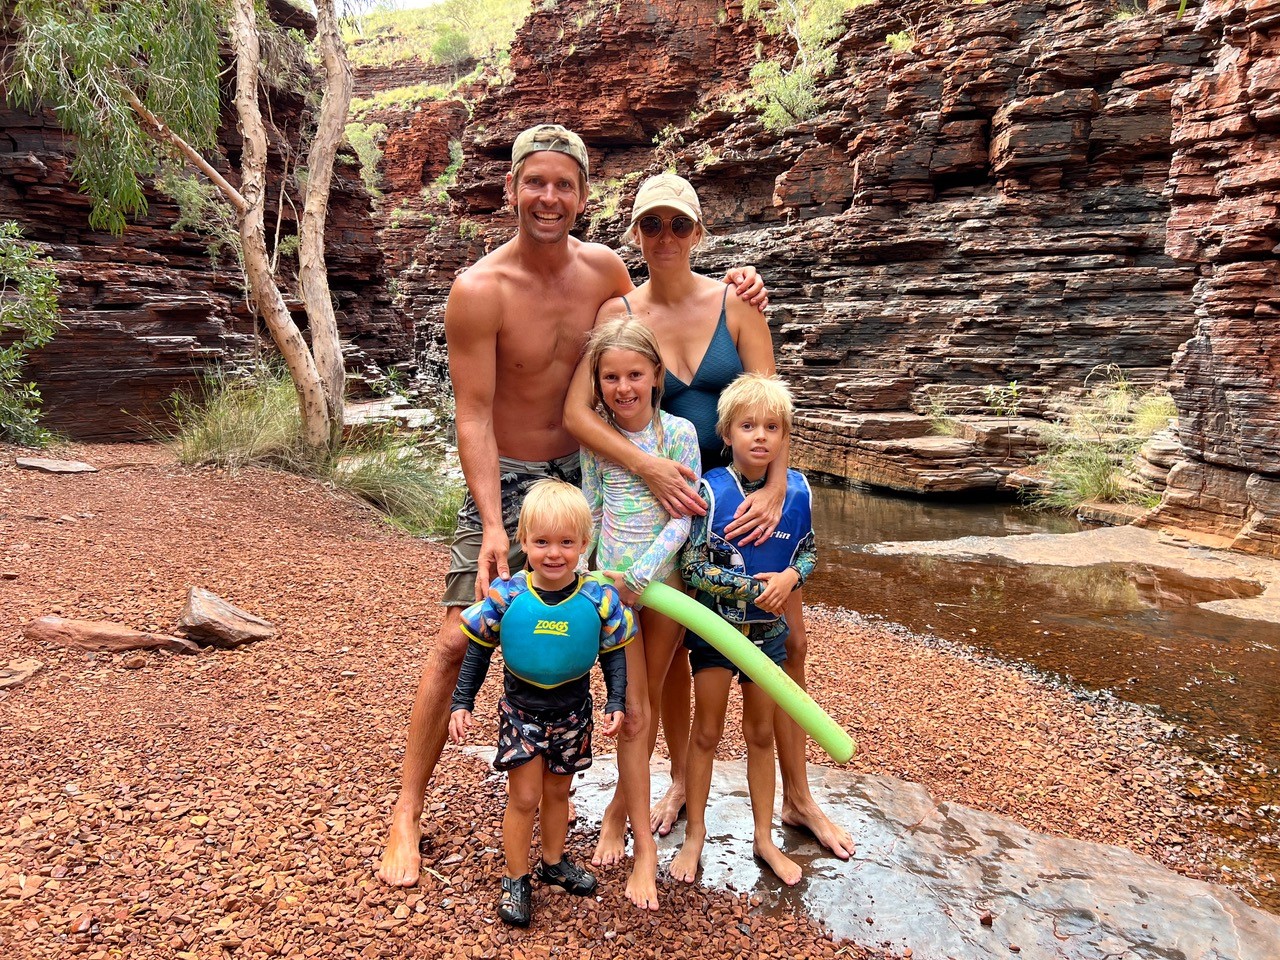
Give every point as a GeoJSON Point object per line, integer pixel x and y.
{"type": "Point", "coordinates": [564, 742]}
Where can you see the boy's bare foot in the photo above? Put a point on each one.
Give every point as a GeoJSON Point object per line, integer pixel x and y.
{"type": "Point", "coordinates": [787, 870]}
{"type": "Point", "coordinates": [611, 848]}
{"type": "Point", "coordinates": [685, 866]}
{"type": "Point", "coordinates": [401, 861]}
{"type": "Point", "coordinates": [829, 834]}
{"type": "Point", "coordinates": [664, 814]}
{"type": "Point", "coordinates": [642, 885]}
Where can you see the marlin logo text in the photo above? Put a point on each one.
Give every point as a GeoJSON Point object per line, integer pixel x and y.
{"type": "Point", "coordinates": [557, 628]}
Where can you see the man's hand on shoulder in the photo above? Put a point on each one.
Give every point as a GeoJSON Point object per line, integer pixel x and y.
{"type": "Point", "coordinates": [749, 286]}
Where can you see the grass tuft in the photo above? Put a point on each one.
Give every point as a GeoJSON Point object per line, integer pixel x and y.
{"type": "Point", "coordinates": [250, 419]}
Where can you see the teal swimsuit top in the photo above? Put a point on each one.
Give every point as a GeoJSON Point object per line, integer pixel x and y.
{"type": "Point", "coordinates": [696, 400]}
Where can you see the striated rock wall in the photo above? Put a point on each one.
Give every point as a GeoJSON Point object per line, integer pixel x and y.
{"type": "Point", "coordinates": [1225, 193]}
{"type": "Point", "coordinates": [147, 312]}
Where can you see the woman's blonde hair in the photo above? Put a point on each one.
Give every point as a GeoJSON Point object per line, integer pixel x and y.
{"type": "Point", "coordinates": [753, 393]}
{"type": "Point", "coordinates": [554, 505]}
{"type": "Point", "coordinates": [625, 333]}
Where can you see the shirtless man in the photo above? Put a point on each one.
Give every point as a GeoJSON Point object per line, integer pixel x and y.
{"type": "Point", "coordinates": [515, 324]}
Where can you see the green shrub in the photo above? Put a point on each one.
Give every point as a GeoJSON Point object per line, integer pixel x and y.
{"type": "Point", "coordinates": [28, 320]}
{"type": "Point", "coordinates": [398, 98]}
{"type": "Point", "coordinates": [364, 140]}
{"type": "Point", "coordinates": [903, 41]}
{"type": "Point", "coordinates": [250, 419]}
{"type": "Point", "coordinates": [1089, 454]}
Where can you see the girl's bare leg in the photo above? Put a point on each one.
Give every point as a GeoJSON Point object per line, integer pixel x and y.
{"type": "Point", "coordinates": [799, 809]}
{"type": "Point", "coordinates": [711, 700]}
{"type": "Point", "coordinates": [675, 727]}
{"type": "Point", "coordinates": [631, 798]}
{"type": "Point", "coordinates": [757, 729]}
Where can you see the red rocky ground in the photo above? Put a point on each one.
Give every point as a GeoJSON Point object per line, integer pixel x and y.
{"type": "Point", "coordinates": [234, 803]}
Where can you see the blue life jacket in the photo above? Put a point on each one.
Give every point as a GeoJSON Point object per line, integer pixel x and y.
{"type": "Point", "coordinates": [773, 556]}
{"type": "Point", "coordinates": [549, 645]}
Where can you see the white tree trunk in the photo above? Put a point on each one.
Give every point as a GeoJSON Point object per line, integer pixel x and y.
{"type": "Point", "coordinates": [264, 292]}
{"type": "Point", "coordinates": [313, 275]}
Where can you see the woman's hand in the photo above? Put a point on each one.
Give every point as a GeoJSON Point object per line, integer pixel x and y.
{"type": "Point", "coordinates": [757, 516]}
{"type": "Point", "coordinates": [777, 590]}
{"type": "Point", "coordinates": [612, 723]}
{"type": "Point", "coordinates": [749, 286]}
{"type": "Point", "coordinates": [669, 482]}
{"type": "Point", "coordinates": [459, 724]}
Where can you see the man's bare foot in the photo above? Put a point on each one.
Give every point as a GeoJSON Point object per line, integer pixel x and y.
{"type": "Point", "coordinates": [642, 885]}
{"type": "Point", "coordinates": [685, 866]}
{"type": "Point", "coordinates": [829, 834]}
{"type": "Point", "coordinates": [787, 870]}
{"type": "Point", "coordinates": [664, 814]}
{"type": "Point", "coordinates": [611, 848]}
{"type": "Point", "coordinates": [401, 861]}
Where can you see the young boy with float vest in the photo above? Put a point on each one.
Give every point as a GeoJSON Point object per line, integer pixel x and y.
{"type": "Point", "coordinates": [748, 585]}
{"type": "Point", "coordinates": [553, 624]}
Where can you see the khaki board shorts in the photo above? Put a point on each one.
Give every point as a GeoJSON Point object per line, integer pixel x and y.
{"type": "Point", "coordinates": [516, 477]}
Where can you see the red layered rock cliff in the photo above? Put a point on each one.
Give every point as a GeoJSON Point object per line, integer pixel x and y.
{"type": "Point", "coordinates": [1225, 191]}
{"type": "Point", "coordinates": [147, 313]}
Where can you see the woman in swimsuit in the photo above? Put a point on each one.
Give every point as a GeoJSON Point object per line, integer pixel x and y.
{"type": "Point", "coordinates": [707, 336]}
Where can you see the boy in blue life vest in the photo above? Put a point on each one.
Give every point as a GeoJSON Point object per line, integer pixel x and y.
{"type": "Point", "coordinates": [747, 585]}
{"type": "Point", "coordinates": [553, 625]}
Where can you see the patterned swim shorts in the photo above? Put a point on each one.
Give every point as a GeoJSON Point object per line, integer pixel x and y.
{"type": "Point", "coordinates": [565, 743]}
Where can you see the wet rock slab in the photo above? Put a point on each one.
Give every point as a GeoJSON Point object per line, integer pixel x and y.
{"type": "Point", "coordinates": [925, 874]}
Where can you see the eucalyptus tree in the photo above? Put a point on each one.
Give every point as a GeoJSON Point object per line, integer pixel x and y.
{"type": "Point", "coordinates": [137, 83]}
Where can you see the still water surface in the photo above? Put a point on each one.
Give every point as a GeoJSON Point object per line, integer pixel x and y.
{"type": "Point", "coordinates": [1132, 630]}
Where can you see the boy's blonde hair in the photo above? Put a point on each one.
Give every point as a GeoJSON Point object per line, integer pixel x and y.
{"type": "Point", "coordinates": [554, 505]}
{"type": "Point", "coordinates": [754, 393]}
{"type": "Point", "coordinates": [625, 332]}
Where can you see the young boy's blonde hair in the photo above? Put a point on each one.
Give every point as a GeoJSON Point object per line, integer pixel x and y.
{"type": "Point", "coordinates": [554, 505]}
{"type": "Point", "coordinates": [753, 393]}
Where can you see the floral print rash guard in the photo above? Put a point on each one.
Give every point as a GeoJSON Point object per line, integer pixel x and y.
{"type": "Point", "coordinates": [631, 531]}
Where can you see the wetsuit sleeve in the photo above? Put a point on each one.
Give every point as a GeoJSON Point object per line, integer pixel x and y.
{"type": "Point", "coordinates": [617, 620]}
{"type": "Point", "coordinates": [702, 574]}
{"type": "Point", "coordinates": [482, 621]}
{"type": "Point", "coordinates": [475, 667]}
{"type": "Point", "coordinates": [806, 558]}
{"type": "Point", "coordinates": [613, 664]}
{"type": "Point", "coordinates": [593, 490]}
{"type": "Point", "coordinates": [681, 442]}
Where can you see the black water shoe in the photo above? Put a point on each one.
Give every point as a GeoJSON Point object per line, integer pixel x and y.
{"type": "Point", "coordinates": [515, 906]}
{"type": "Point", "coordinates": [568, 876]}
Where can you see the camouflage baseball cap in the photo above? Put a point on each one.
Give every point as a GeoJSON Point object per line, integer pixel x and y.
{"type": "Point", "coordinates": [666, 190]}
{"type": "Point", "coordinates": [550, 136]}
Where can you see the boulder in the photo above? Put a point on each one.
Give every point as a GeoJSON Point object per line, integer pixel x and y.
{"type": "Point", "coordinates": [210, 620]}
{"type": "Point", "coordinates": [102, 635]}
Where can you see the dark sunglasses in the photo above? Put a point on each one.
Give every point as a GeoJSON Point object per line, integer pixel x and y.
{"type": "Point", "coordinates": [681, 227]}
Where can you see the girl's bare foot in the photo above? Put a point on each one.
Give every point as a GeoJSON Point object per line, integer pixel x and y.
{"type": "Point", "coordinates": [665, 813]}
{"type": "Point", "coordinates": [787, 870]}
{"type": "Point", "coordinates": [685, 866]}
{"type": "Point", "coordinates": [611, 848]}
{"type": "Point", "coordinates": [642, 885]}
{"type": "Point", "coordinates": [829, 834]}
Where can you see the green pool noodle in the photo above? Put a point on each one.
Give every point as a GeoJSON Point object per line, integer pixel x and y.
{"type": "Point", "coordinates": [750, 659]}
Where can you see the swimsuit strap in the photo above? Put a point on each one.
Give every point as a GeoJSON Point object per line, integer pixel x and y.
{"type": "Point", "coordinates": [627, 303]}
{"type": "Point", "coordinates": [723, 300]}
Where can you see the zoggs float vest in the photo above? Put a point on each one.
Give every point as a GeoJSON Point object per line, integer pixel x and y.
{"type": "Point", "coordinates": [773, 555]}
{"type": "Point", "coordinates": [547, 645]}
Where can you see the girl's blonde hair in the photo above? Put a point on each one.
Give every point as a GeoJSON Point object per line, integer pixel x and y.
{"type": "Point", "coordinates": [553, 505]}
{"type": "Point", "coordinates": [625, 333]}
{"type": "Point", "coordinates": [753, 393]}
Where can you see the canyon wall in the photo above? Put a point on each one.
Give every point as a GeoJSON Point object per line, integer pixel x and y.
{"type": "Point", "coordinates": [146, 313]}
{"type": "Point", "coordinates": [1026, 197]}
